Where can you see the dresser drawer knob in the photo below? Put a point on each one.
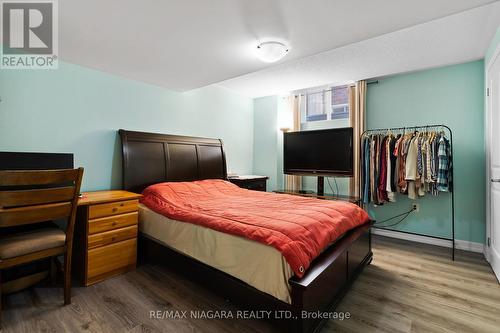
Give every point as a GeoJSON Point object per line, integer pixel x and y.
{"type": "Point", "coordinates": [113, 223]}
{"type": "Point", "coordinates": [113, 238]}
{"type": "Point", "coordinates": [115, 209]}
{"type": "Point", "coordinates": [122, 204]}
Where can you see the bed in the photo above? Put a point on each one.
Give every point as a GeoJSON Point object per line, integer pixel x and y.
{"type": "Point", "coordinates": [150, 158]}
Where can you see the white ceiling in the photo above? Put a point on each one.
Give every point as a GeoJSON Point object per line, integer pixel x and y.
{"type": "Point", "coordinates": [186, 44]}
{"type": "Point", "coordinates": [454, 39]}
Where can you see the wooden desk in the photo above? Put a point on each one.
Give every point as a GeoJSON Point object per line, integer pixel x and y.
{"type": "Point", "coordinates": [105, 242]}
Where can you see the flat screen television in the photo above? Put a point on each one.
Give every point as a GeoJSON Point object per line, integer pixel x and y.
{"type": "Point", "coordinates": [320, 152]}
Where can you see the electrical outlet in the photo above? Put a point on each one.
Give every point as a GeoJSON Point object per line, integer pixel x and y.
{"type": "Point", "coordinates": [415, 207]}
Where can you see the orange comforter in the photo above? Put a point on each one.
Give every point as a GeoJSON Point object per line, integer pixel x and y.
{"type": "Point", "coordinates": [300, 228]}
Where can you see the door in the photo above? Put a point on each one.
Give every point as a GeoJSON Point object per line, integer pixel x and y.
{"type": "Point", "coordinates": [493, 162]}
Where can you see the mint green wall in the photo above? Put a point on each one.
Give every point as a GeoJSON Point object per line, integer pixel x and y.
{"type": "Point", "coordinates": [265, 140]}
{"type": "Point", "coordinates": [76, 109]}
{"type": "Point", "coordinates": [451, 95]}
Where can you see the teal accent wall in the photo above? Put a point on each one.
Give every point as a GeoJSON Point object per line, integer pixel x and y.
{"type": "Point", "coordinates": [79, 110]}
{"type": "Point", "coordinates": [451, 95]}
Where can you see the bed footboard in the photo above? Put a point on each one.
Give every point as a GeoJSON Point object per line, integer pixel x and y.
{"type": "Point", "coordinates": [321, 288]}
{"type": "Point", "coordinates": [328, 279]}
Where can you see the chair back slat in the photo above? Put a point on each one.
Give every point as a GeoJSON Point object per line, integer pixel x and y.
{"type": "Point", "coordinates": [22, 201]}
{"type": "Point", "coordinates": [34, 214]}
{"type": "Point", "coordinates": [36, 197]}
{"type": "Point", "coordinates": [37, 177]}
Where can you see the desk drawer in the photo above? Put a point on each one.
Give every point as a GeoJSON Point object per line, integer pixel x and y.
{"type": "Point", "coordinates": [112, 236]}
{"type": "Point", "coordinates": [111, 259]}
{"type": "Point", "coordinates": [112, 222]}
{"type": "Point", "coordinates": [113, 208]}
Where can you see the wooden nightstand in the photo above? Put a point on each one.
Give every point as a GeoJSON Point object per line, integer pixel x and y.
{"type": "Point", "coordinates": [105, 242]}
{"type": "Point", "coordinates": [252, 182]}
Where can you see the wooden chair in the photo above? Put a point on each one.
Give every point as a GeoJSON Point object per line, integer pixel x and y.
{"type": "Point", "coordinates": [35, 197]}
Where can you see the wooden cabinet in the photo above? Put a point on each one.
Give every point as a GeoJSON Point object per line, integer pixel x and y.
{"type": "Point", "coordinates": [256, 183]}
{"type": "Point", "coordinates": [105, 242]}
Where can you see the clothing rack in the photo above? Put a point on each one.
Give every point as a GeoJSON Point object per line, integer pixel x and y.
{"type": "Point", "coordinates": [451, 189]}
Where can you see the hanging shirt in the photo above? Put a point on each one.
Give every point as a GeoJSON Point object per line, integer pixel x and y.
{"type": "Point", "coordinates": [443, 158]}
{"type": "Point", "coordinates": [436, 156]}
{"type": "Point", "coordinates": [392, 147]}
{"type": "Point", "coordinates": [378, 170]}
{"type": "Point", "coordinates": [372, 168]}
{"type": "Point", "coordinates": [419, 182]}
{"type": "Point", "coordinates": [426, 179]}
{"type": "Point", "coordinates": [366, 170]}
{"type": "Point", "coordinates": [411, 168]}
{"type": "Point", "coordinates": [391, 196]}
{"type": "Point", "coordinates": [419, 156]}
{"type": "Point", "coordinates": [382, 181]}
{"type": "Point", "coordinates": [411, 160]}
{"type": "Point", "coordinates": [428, 164]}
{"type": "Point", "coordinates": [395, 153]}
{"type": "Point", "coordinates": [434, 163]}
{"type": "Point", "coordinates": [402, 183]}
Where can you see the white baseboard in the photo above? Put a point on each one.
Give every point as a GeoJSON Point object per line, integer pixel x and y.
{"type": "Point", "coordinates": [469, 246]}
{"type": "Point", "coordinates": [459, 244]}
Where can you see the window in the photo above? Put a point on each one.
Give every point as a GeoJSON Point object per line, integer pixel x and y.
{"type": "Point", "coordinates": [315, 107]}
{"type": "Point", "coordinates": [328, 104]}
{"type": "Point", "coordinates": [340, 102]}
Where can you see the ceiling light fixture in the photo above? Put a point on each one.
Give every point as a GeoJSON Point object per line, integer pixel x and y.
{"type": "Point", "coordinates": [271, 51]}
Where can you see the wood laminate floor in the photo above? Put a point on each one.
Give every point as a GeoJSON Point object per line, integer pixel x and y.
{"type": "Point", "coordinates": [408, 287]}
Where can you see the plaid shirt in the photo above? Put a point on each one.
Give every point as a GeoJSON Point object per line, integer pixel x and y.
{"type": "Point", "coordinates": [443, 165]}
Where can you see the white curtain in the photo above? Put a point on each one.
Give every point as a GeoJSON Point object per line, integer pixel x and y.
{"type": "Point", "coordinates": [293, 183]}
{"type": "Point", "coordinates": [357, 109]}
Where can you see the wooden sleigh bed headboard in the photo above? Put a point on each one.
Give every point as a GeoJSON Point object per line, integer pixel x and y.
{"type": "Point", "coordinates": [150, 158]}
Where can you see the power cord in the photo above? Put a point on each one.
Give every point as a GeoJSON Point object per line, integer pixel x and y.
{"type": "Point", "coordinates": [405, 215]}
{"type": "Point", "coordinates": [330, 185]}
{"type": "Point", "coordinates": [336, 184]}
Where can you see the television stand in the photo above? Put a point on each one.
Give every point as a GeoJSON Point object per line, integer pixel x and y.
{"type": "Point", "coordinates": [348, 198]}
{"type": "Point", "coordinates": [321, 185]}
{"type": "Point", "coordinates": [305, 192]}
